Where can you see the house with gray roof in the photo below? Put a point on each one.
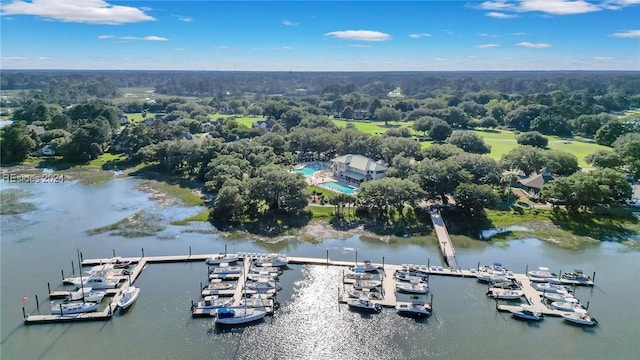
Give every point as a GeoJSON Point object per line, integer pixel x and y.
{"type": "Point", "coordinates": [357, 168]}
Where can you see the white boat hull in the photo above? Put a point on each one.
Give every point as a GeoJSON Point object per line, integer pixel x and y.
{"type": "Point", "coordinates": [580, 319]}
{"type": "Point", "coordinates": [129, 296]}
{"type": "Point", "coordinates": [240, 316]}
{"type": "Point", "coordinates": [74, 308]}
{"type": "Point", "coordinates": [413, 309]}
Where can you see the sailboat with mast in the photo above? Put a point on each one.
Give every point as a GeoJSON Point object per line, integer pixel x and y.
{"type": "Point", "coordinates": [77, 307]}
{"type": "Point", "coordinates": [239, 315]}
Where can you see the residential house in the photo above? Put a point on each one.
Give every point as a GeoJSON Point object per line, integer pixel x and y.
{"type": "Point", "coordinates": [357, 168]}
{"type": "Point", "coordinates": [45, 151]}
{"type": "Point", "coordinates": [123, 120]}
{"type": "Point", "coordinates": [534, 183]}
{"type": "Point", "coordinates": [264, 124]}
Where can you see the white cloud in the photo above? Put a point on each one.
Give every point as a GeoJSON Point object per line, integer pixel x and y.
{"type": "Point", "coordinates": [12, 58]}
{"type": "Point", "coordinates": [154, 38]}
{"type": "Point", "coordinates": [360, 46]}
{"type": "Point", "coordinates": [185, 19]}
{"type": "Point", "coordinates": [133, 38]}
{"type": "Point", "coordinates": [359, 35]}
{"type": "Point", "coordinates": [448, 32]}
{"type": "Point", "coordinates": [527, 44]}
{"type": "Point", "coordinates": [617, 4]}
{"type": "Point", "coordinates": [289, 23]}
{"type": "Point", "coordinates": [519, 33]}
{"type": "Point", "coordinates": [45, 58]}
{"type": "Point", "coordinates": [487, 46]}
{"type": "Point", "coordinates": [559, 7]}
{"type": "Point", "coordinates": [496, 5]}
{"type": "Point", "coordinates": [106, 36]}
{"type": "Point", "coordinates": [419, 35]}
{"type": "Point", "coordinates": [627, 34]}
{"type": "Point", "coordinates": [280, 48]}
{"type": "Point", "coordinates": [79, 11]}
{"type": "Point", "coordinates": [602, 57]}
{"type": "Point", "coordinates": [499, 15]}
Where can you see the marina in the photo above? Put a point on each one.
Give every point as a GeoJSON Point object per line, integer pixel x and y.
{"type": "Point", "coordinates": [309, 321]}
{"type": "Point", "coordinates": [362, 281]}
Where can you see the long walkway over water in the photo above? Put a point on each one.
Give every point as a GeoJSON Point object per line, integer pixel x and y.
{"type": "Point", "coordinates": [444, 241]}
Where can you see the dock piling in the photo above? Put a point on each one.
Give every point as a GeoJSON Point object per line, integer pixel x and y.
{"type": "Point", "coordinates": [383, 263]}
{"type": "Point", "coordinates": [356, 257]}
{"type": "Point", "coordinates": [73, 268]}
{"type": "Point", "coordinates": [478, 267]}
{"type": "Point", "coordinates": [81, 260]}
{"type": "Point", "coordinates": [587, 307]}
{"type": "Point", "coordinates": [593, 278]}
{"type": "Point", "coordinates": [142, 252]}
{"type": "Point", "coordinates": [526, 270]}
{"type": "Point", "coordinates": [428, 260]}
{"type": "Point", "coordinates": [327, 257]}
{"type": "Point", "coordinates": [114, 252]}
{"type": "Point", "coordinates": [49, 287]}
{"type": "Point", "coordinates": [24, 313]}
{"type": "Point", "coordinates": [225, 249]}
{"type": "Point", "coordinates": [37, 303]}
{"type": "Point", "coordinates": [189, 250]}
{"type": "Point", "coordinates": [62, 272]}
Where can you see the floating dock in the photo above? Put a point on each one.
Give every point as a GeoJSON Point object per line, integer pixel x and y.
{"type": "Point", "coordinates": [386, 275]}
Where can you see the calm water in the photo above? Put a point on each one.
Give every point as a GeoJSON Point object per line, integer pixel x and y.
{"type": "Point", "coordinates": [346, 189]}
{"type": "Point", "coordinates": [34, 247]}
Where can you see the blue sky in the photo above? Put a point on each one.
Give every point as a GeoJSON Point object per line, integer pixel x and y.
{"type": "Point", "coordinates": [320, 35]}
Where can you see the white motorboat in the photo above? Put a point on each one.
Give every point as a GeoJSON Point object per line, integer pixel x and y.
{"type": "Point", "coordinates": [552, 288]}
{"type": "Point", "coordinates": [266, 276]}
{"type": "Point", "coordinates": [73, 308]}
{"type": "Point", "coordinates": [541, 273]}
{"type": "Point", "coordinates": [419, 270]}
{"type": "Point", "coordinates": [212, 302]}
{"type": "Point", "coordinates": [97, 282]}
{"type": "Point", "coordinates": [366, 284]}
{"type": "Point", "coordinates": [222, 258]}
{"type": "Point", "coordinates": [222, 285]}
{"type": "Point", "coordinates": [572, 306]}
{"type": "Point", "coordinates": [256, 303]}
{"type": "Point", "coordinates": [526, 312]}
{"type": "Point", "coordinates": [577, 276]}
{"type": "Point", "coordinates": [263, 285]}
{"type": "Point", "coordinates": [366, 267]}
{"type": "Point", "coordinates": [557, 297]}
{"type": "Point", "coordinates": [358, 275]}
{"type": "Point", "coordinates": [262, 269]}
{"type": "Point", "coordinates": [410, 276]}
{"type": "Point", "coordinates": [356, 294]}
{"type": "Point", "coordinates": [413, 287]}
{"type": "Point", "coordinates": [415, 308]}
{"type": "Point", "coordinates": [129, 296]}
{"type": "Point", "coordinates": [579, 318]}
{"type": "Point", "coordinates": [238, 316]}
{"type": "Point", "coordinates": [272, 260]}
{"type": "Point", "coordinates": [119, 263]}
{"type": "Point", "coordinates": [363, 303]}
{"type": "Point", "coordinates": [504, 294]}
{"type": "Point", "coordinates": [227, 270]}
{"type": "Point", "coordinates": [496, 271]}
{"type": "Point", "coordinates": [87, 294]}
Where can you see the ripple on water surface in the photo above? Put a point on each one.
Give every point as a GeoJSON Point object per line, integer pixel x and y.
{"type": "Point", "coordinates": [313, 326]}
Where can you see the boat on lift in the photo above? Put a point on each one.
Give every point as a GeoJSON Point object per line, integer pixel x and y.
{"type": "Point", "coordinates": [414, 308]}
{"type": "Point", "coordinates": [365, 304]}
{"type": "Point", "coordinates": [579, 318]}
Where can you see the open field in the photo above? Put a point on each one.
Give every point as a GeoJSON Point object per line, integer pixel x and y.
{"type": "Point", "coordinates": [142, 94]}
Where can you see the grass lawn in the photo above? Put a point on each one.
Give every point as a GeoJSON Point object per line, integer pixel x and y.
{"type": "Point", "coordinates": [243, 120]}
{"type": "Point", "coordinates": [202, 216]}
{"type": "Point", "coordinates": [375, 127]}
{"type": "Point", "coordinates": [130, 94]}
{"type": "Point", "coordinates": [137, 117]}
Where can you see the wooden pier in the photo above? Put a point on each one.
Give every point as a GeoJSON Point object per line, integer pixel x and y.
{"type": "Point", "coordinates": [387, 272]}
{"type": "Point", "coordinates": [444, 241]}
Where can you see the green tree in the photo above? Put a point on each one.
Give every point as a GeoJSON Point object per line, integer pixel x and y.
{"type": "Point", "coordinates": [562, 163]}
{"type": "Point", "coordinates": [610, 131]}
{"type": "Point", "coordinates": [15, 143]}
{"type": "Point", "coordinates": [469, 142]}
{"type": "Point", "coordinates": [386, 196]}
{"type": "Point", "coordinates": [279, 189]}
{"type": "Point", "coordinates": [387, 114]}
{"type": "Point", "coordinates": [230, 203]}
{"type": "Point", "coordinates": [527, 159]}
{"type": "Point", "coordinates": [473, 198]}
{"type": "Point", "coordinates": [440, 130]}
{"type": "Point", "coordinates": [533, 138]}
{"type": "Point", "coordinates": [604, 159]}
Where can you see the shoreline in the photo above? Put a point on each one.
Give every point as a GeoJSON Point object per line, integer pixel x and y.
{"type": "Point", "coordinates": [318, 230]}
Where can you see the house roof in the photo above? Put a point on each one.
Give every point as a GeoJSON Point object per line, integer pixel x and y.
{"type": "Point", "coordinates": [534, 181]}
{"type": "Point", "coordinates": [360, 162]}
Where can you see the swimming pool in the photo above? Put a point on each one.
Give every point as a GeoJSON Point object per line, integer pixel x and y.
{"type": "Point", "coordinates": [339, 187]}
{"type": "Point", "coordinates": [310, 169]}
